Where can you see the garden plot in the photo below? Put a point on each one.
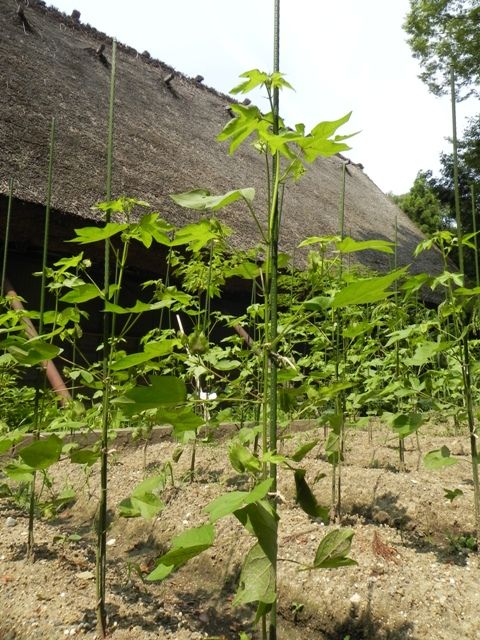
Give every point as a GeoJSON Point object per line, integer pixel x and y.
{"type": "Point", "coordinates": [415, 577]}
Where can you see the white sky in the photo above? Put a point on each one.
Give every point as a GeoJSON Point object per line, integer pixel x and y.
{"type": "Point", "coordinates": [345, 55]}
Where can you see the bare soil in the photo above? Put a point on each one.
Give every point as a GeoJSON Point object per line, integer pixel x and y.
{"type": "Point", "coordinates": [413, 580]}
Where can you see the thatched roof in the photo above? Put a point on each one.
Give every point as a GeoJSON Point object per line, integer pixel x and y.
{"type": "Point", "coordinates": [164, 139]}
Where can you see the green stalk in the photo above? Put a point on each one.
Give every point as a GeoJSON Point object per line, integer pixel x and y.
{"type": "Point", "coordinates": [475, 239]}
{"type": "Point", "coordinates": [458, 217]}
{"type": "Point", "coordinates": [42, 372]}
{"type": "Point", "coordinates": [401, 443]}
{"type": "Point", "coordinates": [341, 206]}
{"type": "Point", "coordinates": [206, 317]}
{"type": "Point", "coordinates": [7, 233]}
{"type": "Point", "coordinates": [467, 384]}
{"type": "Point", "coordinates": [274, 228]}
{"type": "Point", "coordinates": [339, 400]}
{"type": "Point", "coordinates": [466, 363]}
{"type": "Point", "coordinates": [101, 557]}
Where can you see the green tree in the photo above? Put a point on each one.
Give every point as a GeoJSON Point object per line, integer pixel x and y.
{"type": "Point", "coordinates": [422, 204]}
{"type": "Point", "coordinates": [468, 174]}
{"type": "Point", "coordinates": [443, 34]}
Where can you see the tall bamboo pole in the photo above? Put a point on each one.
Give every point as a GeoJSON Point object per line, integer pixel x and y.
{"type": "Point", "coordinates": [474, 229]}
{"type": "Point", "coordinates": [273, 238]}
{"type": "Point", "coordinates": [458, 217]}
{"type": "Point", "coordinates": [40, 379]}
{"type": "Point", "coordinates": [465, 348]}
{"type": "Point", "coordinates": [7, 235]}
{"type": "Point", "coordinates": [101, 559]}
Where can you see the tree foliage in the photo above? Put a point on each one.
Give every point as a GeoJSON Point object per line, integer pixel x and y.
{"type": "Point", "coordinates": [468, 174]}
{"type": "Point", "coordinates": [422, 204]}
{"type": "Point", "coordinates": [443, 35]}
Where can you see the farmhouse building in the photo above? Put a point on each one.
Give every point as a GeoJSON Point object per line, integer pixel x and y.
{"type": "Point", "coordinates": [52, 65]}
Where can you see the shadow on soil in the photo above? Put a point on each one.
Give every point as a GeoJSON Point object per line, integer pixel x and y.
{"type": "Point", "coordinates": [358, 624]}
{"type": "Point", "coordinates": [385, 510]}
{"type": "Point", "coordinates": [359, 627]}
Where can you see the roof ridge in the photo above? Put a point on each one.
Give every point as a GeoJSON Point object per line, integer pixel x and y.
{"type": "Point", "coordinates": [76, 24]}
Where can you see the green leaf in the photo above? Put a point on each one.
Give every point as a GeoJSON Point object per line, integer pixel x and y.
{"type": "Point", "coordinates": [19, 472]}
{"type": "Point", "coordinates": [152, 350]}
{"type": "Point", "coordinates": [34, 351]}
{"type": "Point", "coordinates": [260, 520]}
{"type": "Point", "coordinates": [328, 128]}
{"type": "Point", "coordinates": [318, 303]}
{"type": "Point", "coordinates": [255, 78]}
{"type": "Point", "coordinates": [439, 459]}
{"type": "Point", "coordinates": [182, 419]}
{"type": "Point", "coordinates": [305, 498]}
{"type": "Point", "coordinates": [302, 451]}
{"type": "Point", "coordinates": [200, 199]}
{"type": "Point", "coordinates": [198, 235]}
{"type": "Point", "coordinates": [273, 458]}
{"type": "Point", "coordinates": [333, 448]}
{"type": "Point", "coordinates": [12, 438]}
{"type": "Point", "coordinates": [321, 240]}
{"type": "Point", "coordinates": [41, 454]}
{"type": "Point", "coordinates": [319, 142]}
{"type": "Point", "coordinates": [366, 290]}
{"type": "Point", "coordinates": [425, 351]}
{"type": "Point", "coordinates": [257, 579]}
{"type": "Point", "coordinates": [87, 235]}
{"type": "Point", "coordinates": [144, 501]}
{"type": "Point", "coordinates": [404, 424]}
{"type": "Point", "coordinates": [331, 391]}
{"type": "Point", "coordinates": [230, 502]}
{"type": "Point", "coordinates": [139, 306]}
{"type": "Point", "coordinates": [248, 120]}
{"type": "Point", "coordinates": [333, 550]}
{"type": "Point", "coordinates": [185, 546]}
{"type": "Point", "coordinates": [227, 365]}
{"type": "Point", "coordinates": [349, 245]}
{"type": "Point", "coordinates": [242, 460]}
{"type": "Point", "coordinates": [82, 293]}
{"type": "Point", "coordinates": [84, 456]}
{"type": "Point", "coordinates": [146, 506]}
{"type": "Point", "coordinates": [5, 444]}
{"type": "Point", "coordinates": [247, 270]}
{"type": "Point", "coordinates": [464, 291]}
{"type": "Point", "coordinates": [163, 390]}
{"type": "Point", "coordinates": [357, 329]}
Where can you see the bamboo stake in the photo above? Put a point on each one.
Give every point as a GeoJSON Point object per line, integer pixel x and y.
{"type": "Point", "coordinates": [466, 364]}
{"type": "Point", "coordinates": [7, 233]}
{"type": "Point", "coordinates": [41, 375]}
{"type": "Point", "coordinates": [458, 217]}
{"type": "Point", "coordinates": [101, 556]}
{"type": "Point", "coordinates": [273, 239]}
{"type": "Point", "coordinates": [475, 239]}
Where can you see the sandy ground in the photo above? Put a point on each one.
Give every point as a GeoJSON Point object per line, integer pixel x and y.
{"type": "Point", "coordinates": [413, 579]}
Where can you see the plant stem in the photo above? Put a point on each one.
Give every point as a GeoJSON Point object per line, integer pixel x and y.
{"type": "Point", "coordinates": [40, 378]}
{"type": "Point", "coordinates": [339, 351]}
{"type": "Point", "coordinates": [101, 557]}
{"type": "Point", "coordinates": [467, 382]}
{"type": "Point", "coordinates": [401, 442]}
{"type": "Point", "coordinates": [465, 356]}
{"type": "Point", "coordinates": [274, 228]}
{"type": "Point", "coordinates": [458, 217]}
{"type": "Point", "coordinates": [7, 234]}
{"type": "Point", "coordinates": [475, 239]}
